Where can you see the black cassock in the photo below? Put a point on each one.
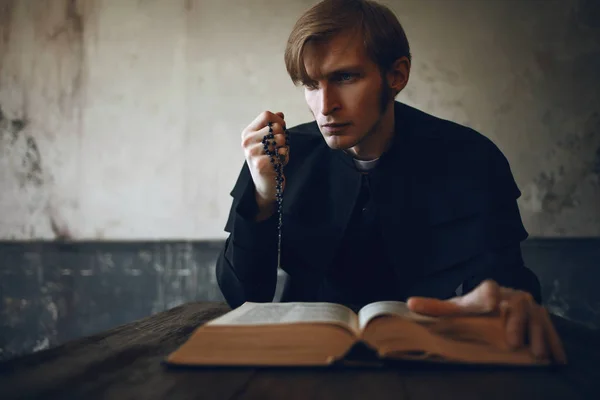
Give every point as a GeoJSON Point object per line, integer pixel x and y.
{"type": "Point", "coordinates": [438, 211]}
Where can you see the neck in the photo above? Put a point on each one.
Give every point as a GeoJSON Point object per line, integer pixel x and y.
{"type": "Point", "coordinates": [377, 141]}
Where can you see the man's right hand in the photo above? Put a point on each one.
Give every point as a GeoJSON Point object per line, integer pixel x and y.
{"type": "Point", "coordinates": [259, 163]}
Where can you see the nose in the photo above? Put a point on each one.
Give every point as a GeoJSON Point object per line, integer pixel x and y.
{"type": "Point", "coordinates": [329, 100]}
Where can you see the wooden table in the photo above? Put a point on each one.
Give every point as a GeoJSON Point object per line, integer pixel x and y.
{"type": "Point", "coordinates": [124, 363]}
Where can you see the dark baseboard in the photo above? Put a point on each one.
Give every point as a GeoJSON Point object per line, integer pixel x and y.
{"type": "Point", "coordinates": [52, 292]}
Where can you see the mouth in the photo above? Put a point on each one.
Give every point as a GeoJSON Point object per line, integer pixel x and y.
{"type": "Point", "coordinates": [335, 128]}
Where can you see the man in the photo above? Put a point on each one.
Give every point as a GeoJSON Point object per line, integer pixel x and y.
{"type": "Point", "coordinates": [381, 201]}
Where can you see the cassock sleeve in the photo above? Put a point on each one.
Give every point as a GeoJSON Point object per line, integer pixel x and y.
{"type": "Point", "coordinates": [503, 261]}
{"type": "Point", "coordinates": [246, 268]}
{"type": "Point", "coordinates": [475, 228]}
{"type": "Point", "coordinates": [506, 267]}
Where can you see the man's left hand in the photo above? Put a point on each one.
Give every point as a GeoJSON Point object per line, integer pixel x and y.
{"type": "Point", "coordinates": [526, 322]}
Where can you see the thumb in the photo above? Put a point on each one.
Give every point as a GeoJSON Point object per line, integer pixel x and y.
{"type": "Point", "coordinates": [483, 299]}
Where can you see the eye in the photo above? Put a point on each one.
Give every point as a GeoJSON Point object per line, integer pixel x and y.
{"type": "Point", "coordinates": [345, 77]}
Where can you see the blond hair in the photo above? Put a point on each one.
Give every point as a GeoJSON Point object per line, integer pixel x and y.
{"type": "Point", "coordinates": [383, 36]}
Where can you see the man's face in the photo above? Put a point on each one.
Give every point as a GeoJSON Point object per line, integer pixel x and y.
{"type": "Point", "coordinates": [348, 90]}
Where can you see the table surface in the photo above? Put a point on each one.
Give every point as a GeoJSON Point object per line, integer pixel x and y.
{"type": "Point", "coordinates": [125, 363]}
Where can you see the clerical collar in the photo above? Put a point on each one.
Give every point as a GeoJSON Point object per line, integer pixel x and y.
{"type": "Point", "coordinates": [366, 166]}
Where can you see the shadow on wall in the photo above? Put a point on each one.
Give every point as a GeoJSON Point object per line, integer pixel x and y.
{"type": "Point", "coordinates": [54, 292]}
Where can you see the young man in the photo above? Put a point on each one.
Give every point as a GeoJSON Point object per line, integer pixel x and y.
{"type": "Point", "coordinates": [381, 201]}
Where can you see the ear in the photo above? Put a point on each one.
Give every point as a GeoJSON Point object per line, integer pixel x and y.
{"type": "Point", "coordinates": [398, 74]}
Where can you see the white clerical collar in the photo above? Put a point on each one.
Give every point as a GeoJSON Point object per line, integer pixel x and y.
{"type": "Point", "coordinates": [365, 166]}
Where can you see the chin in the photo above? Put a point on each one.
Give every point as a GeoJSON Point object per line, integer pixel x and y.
{"type": "Point", "coordinates": [337, 143]}
{"type": "Point", "coordinates": [340, 142]}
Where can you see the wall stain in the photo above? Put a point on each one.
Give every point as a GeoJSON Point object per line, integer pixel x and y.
{"type": "Point", "coordinates": [28, 164]}
{"type": "Point", "coordinates": [554, 200]}
{"type": "Point", "coordinates": [581, 152]}
{"type": "Point", "coordinates": [447, 75]}
{"type": "Point", "coordinates": [61, 233]}
{"type": "Point", "coordinates": [16, 126]}
{"type": "Point", "coordinates": [74, 17]}
{"type": "Point", "coordinates": [6, 11]}
{"type": "Point", "coordinates": [72, 25]}
{"type": "Point", "coordinates": [68, 38]}
{"type": "Point", "coordinates": [32, 162]}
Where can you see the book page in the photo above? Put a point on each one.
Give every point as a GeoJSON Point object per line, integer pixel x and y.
{"type": "Point", "coordinates": [283, 313]}
{"type": "Point", "coordinates": [399, 308]}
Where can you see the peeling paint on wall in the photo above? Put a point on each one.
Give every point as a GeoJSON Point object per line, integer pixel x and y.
{"type": "Point", "coordinates": [20, 152]}
{"type": "Point", "coordinates": [41, 124]}
{"type": "Point", "coordinates": [575, 159]}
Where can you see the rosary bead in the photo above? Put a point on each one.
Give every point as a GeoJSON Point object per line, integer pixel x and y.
{"type": "Point", "coordinates": [277, 161]}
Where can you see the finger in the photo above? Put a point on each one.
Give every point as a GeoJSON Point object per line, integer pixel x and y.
{"type": "Point", "coordinates": [261, 164]}
{"type": "Point", "coordinates": [278, 128]}
{"type": "Point", "coordinates": [283, 152]}
{"type": "Point", "coordinates": [251, 138]}
{"type": "Point", "coordinates": [256, 150]}
{"type": "Point", "coordinates": [537, 339]}
{"type": "Point", "coordinates": [554, 342]}
{"type": "Point", "coordinates": [432, 307]}
{"type": "Point", "coordinates": [483, 299]}
{"type": "Point", "coordinates": [263, 119]}
{"type": "Point", "coordinates": [516, 321]}
{"type": "Point", "coordinates": [280, 140]}
{"type": "Point", "coordinates": [277, 142]}
{"type": "Point", "coordinates": [278, 134]}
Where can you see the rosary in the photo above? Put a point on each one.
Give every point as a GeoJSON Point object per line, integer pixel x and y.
{"type": "Point", "coordinates": [277, 161]}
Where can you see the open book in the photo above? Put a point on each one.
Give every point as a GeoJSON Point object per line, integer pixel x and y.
{"type": "Point", "coordinates": [312, 334]}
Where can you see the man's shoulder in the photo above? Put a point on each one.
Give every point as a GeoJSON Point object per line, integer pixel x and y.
{"type": "Point", "coordinates": [443, 144]}
{"type": "Point", "coordinates": [451, 155]}
{"type": "Point", "coordinates": [437, 131]}
{"type": "Point", "coordinates": [458, 170]}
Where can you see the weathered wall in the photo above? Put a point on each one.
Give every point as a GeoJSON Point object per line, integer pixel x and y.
{"type": "Point", "coordinates": [120, 119]}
